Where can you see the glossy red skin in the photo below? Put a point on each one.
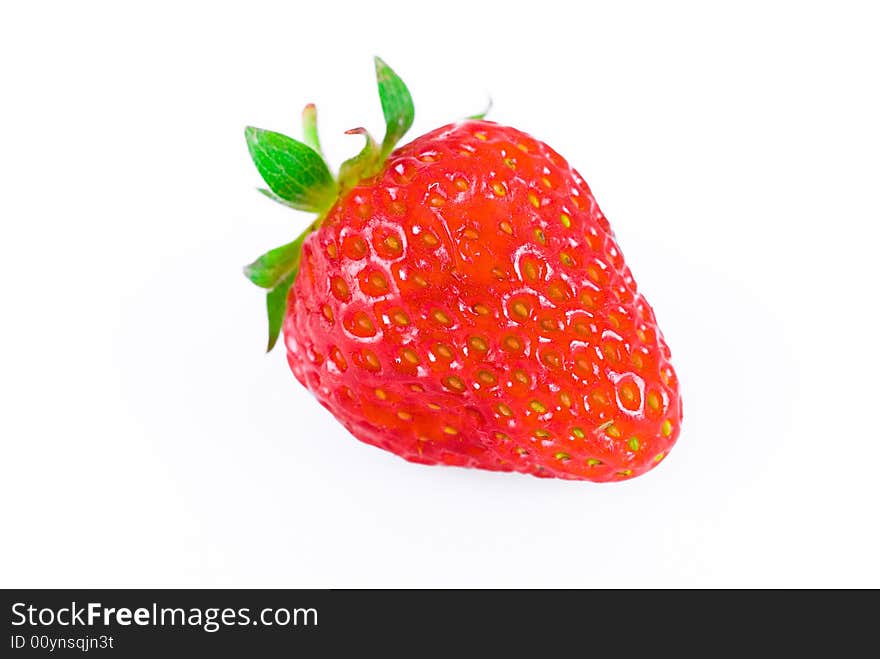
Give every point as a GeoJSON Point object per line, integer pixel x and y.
{"type": "Point", "coordinates": [467, 221]}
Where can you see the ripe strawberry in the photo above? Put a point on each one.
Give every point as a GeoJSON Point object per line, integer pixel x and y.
{"type": "Point", "coordinates": [462, 300]}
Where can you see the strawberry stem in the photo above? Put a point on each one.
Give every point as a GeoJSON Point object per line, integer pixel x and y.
{"type": "Point", "coordinates": [298, 176]}
{"type": "Point", "coordinates": [310, 128]}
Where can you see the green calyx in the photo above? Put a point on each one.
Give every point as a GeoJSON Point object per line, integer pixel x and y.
{"type": "Point", "coordinates": [298, 176]}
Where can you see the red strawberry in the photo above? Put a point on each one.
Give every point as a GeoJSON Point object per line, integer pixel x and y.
{"type": "Point", "coordinates": [462, 300]}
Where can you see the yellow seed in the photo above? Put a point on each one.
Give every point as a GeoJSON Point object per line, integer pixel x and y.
{"type": "Point", "coordinates": [541, 434]}
{"type": "Point", "coordinates": [523, 148]}
{"type": "Point", "coordinates": [331, 250]}
{"type": "Point", "coordinates": [400, 318]}
{"type": "Point", "coordinates": [512, 343]}
{"type": "Point", "coordinates": [454, 383]}
{"type": "Point", "coordinates": [504, 410]}
{"type": "Point", "coordinates": [470, 234]}
{"type": "Point", "coordinates": [577, 432]}
{"type": "Point", "coordinates": [520, 309]}
{"type": "Point", "coordinates": [392, 243]}
{"type": "Point", "coordinates": [461, 184]}
{"type": "Point", "coordinates": [477, 343]}
{"type": "Point", "coordinates": [612, 431]}
{"type": "Point", "coordinates": [537, 406]}
{"type": "Point", "coordinates": [659, 456]}
{"type": "Point", "coordinates": [521, 377]}
{"type": "Point", "coordinates": [365, 324]}
{"type": "Point", "coordinates": [481, 136]}
{"type": "Point", "coordinates": [444, 351]}
{"type": "Point", "coordinates": [562, 455]}
{"type": "Point", "coordinates": [593, 462]}
{"type": "Point", "coordinates": [547, 183]}
{"type": "Point", "coordinates": [505, 227]}
{"type": "Point", "coordinates": [441, 317]}
{"type": "Point", "coordinates": [539, 236]}
{"type": "Point", "coordinates": [420, 280]}
{"type": "Point", "coordinates": [566, 220]}
{"type": "Point", "coordinates": [565, 399]}
{"type": "Point", "coordinates": [500, 436]}
{"type": "Point", "coordinates": [498, 189]}
{"type": "Point", "coordinates": [486, 377]}
{"type": "Point", "coordinates": [510, 162]}
{"type": "Point", "coordinates": [380, 394]}
{"type": "Point", "coordinates": [328, 312]}
{"type": "Point", "coordinates": [633, 443]}
{"type": "Point", "coordinates": [416, 387]}
{"type": "Point", "coordinates": [529, 270]}
{"type": "Point", "coordinates": [654, 401]}
{"type": "Point", "coordinates": [481, 309]}
{"type": "Point", "coordinates": [593, 273]}
{"type": "Point", "coordinates": [404, 416]}
{"type": "Point", "coordinates": [637, 360]}
{"type": "Point", "coordinates": [436, 201]}
{"type": "Point", "coordinates": [371, 359]}
{"type": "Point", "coordinates": [410, 355]}
{"type": "Point", "coordinates": [624, 473]}
{"type": "Point", "coordinates": [340, 288]}
{"type": "Point", "coordinates": [566, 259]}
{"type": "Point", "coordinates": [521, 451]}
{"type": "Point", "coordinates": [610, 351]}
{"type": "Point", "coordinates": [338, 358]}
{"type": "Point", "coordinates": [355, 247]}
{"type": "Point", "coordinates": [434, 406]}
{"type": "Point", "coordinates": [533, 200]}
{"type": "Point", "coordinates": [449, 430]}
{"type": "Point", "coordinates": [600, 398]}
{"type": "Point", "coordinates": [666, 428]}
{"type": "Point", "coordinates": [549, 325]}
{"type": "Point", "coordinates": [430, 239]}
{"type": "Point", "coordinates": [641, 334]}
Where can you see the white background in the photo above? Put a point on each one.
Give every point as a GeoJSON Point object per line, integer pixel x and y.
{"type": "Point", "coordinates": [148, 441]}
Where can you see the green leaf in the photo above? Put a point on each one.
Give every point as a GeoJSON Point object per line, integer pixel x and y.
{"type": "Point", "coordinates": [292, 170]}
{"type": "Point", "coordinates": [482, 115]}
{"type": "Point", "coordinates": [363, 164]}
{"type": "Point", "coordinates": [273, 266]}
{"type": "Point", "coordinates": [278, 200]}
{"type": "Point", "coordinates": [397, 106]}
{"type": "Point", "coordinates": [276, 307]}
{"type": "Point", "coordinates": [276, 271]}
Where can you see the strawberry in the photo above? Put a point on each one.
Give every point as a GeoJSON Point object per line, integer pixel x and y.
{"type": "Point", "coordinates": [462, 300]}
